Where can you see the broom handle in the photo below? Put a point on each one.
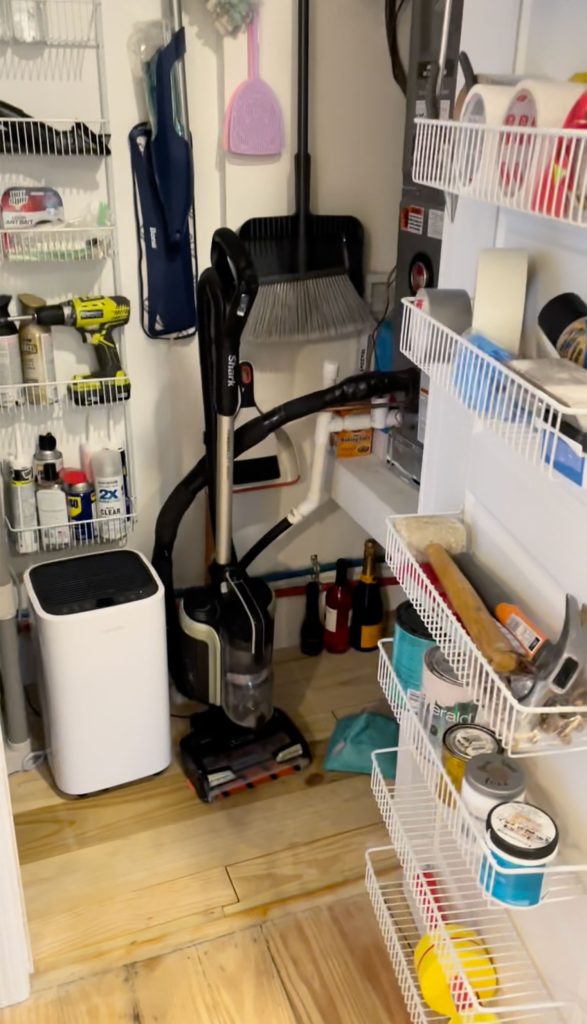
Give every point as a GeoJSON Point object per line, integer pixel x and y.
{"type": "Point", "coordinates": [302, 158]}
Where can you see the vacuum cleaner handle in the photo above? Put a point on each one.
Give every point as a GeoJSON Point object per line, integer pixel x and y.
{"type": "Point", "coordinates": [233, 265]}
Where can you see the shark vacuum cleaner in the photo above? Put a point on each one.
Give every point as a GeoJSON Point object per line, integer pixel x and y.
{"type": "Point", "coordinates": [220, 639]}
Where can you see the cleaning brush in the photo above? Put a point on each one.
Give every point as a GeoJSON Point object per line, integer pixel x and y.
{"type": "Point", "coordinates": [310, 268]}
{"type": "Point", "coordinates": [231, 16]}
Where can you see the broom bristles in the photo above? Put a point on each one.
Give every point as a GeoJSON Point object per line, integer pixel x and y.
{"type": "Point", "coordinates": [307, 309]}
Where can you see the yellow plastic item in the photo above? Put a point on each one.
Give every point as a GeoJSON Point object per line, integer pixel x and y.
{"type": "Point", "coordinates": [579, 76]}
{"type": "Point", "coordinates": [437, 989]}
{"type": "Point", "coordinates": [486, 1018]}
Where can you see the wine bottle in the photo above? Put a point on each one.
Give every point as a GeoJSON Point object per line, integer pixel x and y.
{"type": "Point", "coordinates": [367, 614]}
{"type": "Point", "coordinates": [339, 599]}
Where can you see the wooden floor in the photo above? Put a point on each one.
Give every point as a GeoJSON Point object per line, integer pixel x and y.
{"type": "Point", "coordinates": [147, 870]}
{"type": "Point", "coordinates": [322, 966]}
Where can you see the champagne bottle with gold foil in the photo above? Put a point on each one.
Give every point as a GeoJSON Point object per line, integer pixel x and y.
{"type": "Point", "coordinates": [367, 614]}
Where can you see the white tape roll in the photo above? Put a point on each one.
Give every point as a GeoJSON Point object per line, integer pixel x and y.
{"type": "Point", "coordinates": [477, 151]}
{"type": "Point", "coordinates": [451, 307]}
{"type": "Point", "coordinates": [500, 296]}
{"type": "Point", "coordinates": [535, 104]}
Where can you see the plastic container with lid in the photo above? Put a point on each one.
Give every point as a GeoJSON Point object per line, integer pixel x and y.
{"type": "Point", "coordinates": [411, 640]}
{"type": "Point", "coordinates": [523, 837]}
{"type": "Point", "coordinates": [491, 779]}
{"type": "Point", "coordinates": [460, 743]}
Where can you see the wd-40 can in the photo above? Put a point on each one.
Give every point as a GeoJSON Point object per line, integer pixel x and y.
{"type": "Point", "coordinates": [81, 500]}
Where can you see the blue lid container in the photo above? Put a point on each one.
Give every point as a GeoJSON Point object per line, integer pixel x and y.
{"type": "Point", "coordinates": [411, 640]}
{"type": "Point", "coordinates": [520, 836]}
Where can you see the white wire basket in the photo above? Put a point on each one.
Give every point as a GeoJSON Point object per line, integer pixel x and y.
{"type": "Point", "coordinates": [533, 424]}
{"type": "Point", "coordinates": [57, 244]}
{"type": "Point", "coordinates": [24, 136]}
{"type": "Point", "coordinates": [397, 916]}
{"type": "Point", "coordinates": [542, 171]}
{"type": "Point", "coordinates": [71, 536]}
{"type": "Point", "coordinates": [523, 730]}
{"type": "Point", "coordinates": [563, 879]}
{"type": "Point", "coordinates": [51, 23]}
{"type": "Point", "coordinates": [54, 398]}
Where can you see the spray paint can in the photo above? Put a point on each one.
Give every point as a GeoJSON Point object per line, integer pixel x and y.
{"type": "Point", "coordinates": [21, 505]}
{"type": "Point", "coordinates": [81, 500]}
{"type": "Point", "coordinates": [46, 454]}
{"type": "Point", "coordinates": [110, 496]}
{"type": "Point", "coordinates": [10, 367]}
{"type": "Point", "coordinates": [37, 354]}
{"type": "Point", "coordinates": [411, 640]}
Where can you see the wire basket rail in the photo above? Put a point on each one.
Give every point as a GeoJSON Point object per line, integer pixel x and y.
{"type": "Point", "coordinates": [534, 425]}
{"type": "Point", "coordinates": [24, 136]}
{"type": "Point", "coordinates": [71, 535]}
{"type": "Point", "coordinates": [54, 398]}
{"type": "Point", "coordinates": [401, 931]}
{"type": "Point", "coordinates": [551, 729]}
{"type": "Point", "coordinates": [540, 171]}
{"type": "Point", "coordinates": [57, 244]}
{"type": "Point", "coordinates": [563, 879]}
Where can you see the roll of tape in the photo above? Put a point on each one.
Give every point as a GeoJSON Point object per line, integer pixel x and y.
{"type": "Point", "coordinates": [477, 151]}
{"type": "Point", "coordinates": [535, 104]}
{"type": "Point", "coordinates": [562, 189]}
{"type": "Point", "coordinates": [564, 322]}
{"type": "Point", "coordinates": [500, 296]}
{"type": "Point", "coordinates": [451, 307]}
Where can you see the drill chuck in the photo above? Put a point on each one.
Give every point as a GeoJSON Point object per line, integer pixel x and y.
{"type": "Point", "coordinates": [57, 315]}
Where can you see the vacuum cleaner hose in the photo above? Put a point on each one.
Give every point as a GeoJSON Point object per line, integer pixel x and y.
{"type": "Point", "coordinates": [276, 531]}
{"type": "Point", "coordinates": [352, 390]}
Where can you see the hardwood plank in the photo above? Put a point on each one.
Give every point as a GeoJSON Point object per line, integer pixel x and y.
{"type": "Point", "coordinates": [44, 1008]}
{"type": "Point", "coordinates": [303, 868]}
{"type": "Point", "coordinates": [334, 966]}
{"type": "Point", "coordinates": [104, 999]}
{"type": "Point", "coordinates": [243, 986]}
{"type": "Point", "coordinates": [113, 930]}
{"type": "Point", "coordinates": [170, 990]}
{"type": "Point", "coordinates": [211, 837]}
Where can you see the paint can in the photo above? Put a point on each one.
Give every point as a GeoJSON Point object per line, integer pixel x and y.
{"type": "Point", "coordinates": [462, 742]}
{"type": "Point", "coordinates": [446, 701]}
{"type": "Point", "coordinates": [519, 836]}
{"type": "Point", "coordinates": [411, 640]}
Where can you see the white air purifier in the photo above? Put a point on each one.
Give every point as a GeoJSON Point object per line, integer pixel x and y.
{"type": "Point", "coordinates": [99, 624]}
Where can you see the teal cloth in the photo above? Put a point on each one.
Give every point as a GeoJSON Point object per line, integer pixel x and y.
{"type": "Point", "coordinates": [356, 737]}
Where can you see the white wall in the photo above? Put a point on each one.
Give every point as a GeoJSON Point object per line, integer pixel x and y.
{"type": "Point", "coordinates": [356, 132]}
{"type": "Point", "coordinates": [356, 139]}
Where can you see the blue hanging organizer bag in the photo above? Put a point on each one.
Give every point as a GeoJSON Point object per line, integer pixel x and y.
{"type": "Point", "coordinates": [163, 179]}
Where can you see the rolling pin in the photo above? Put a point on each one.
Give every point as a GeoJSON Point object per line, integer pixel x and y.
{"type": "Point", "coordinates": [480, 625]}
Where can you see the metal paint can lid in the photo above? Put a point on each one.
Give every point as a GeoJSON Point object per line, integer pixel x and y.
{"type": "Point", "coordinates": [495, 775]}
{"type": "Point", "coordinates": [438, 665]}
{"type": "Point", "coordinates": [469, 741]}
{"type": "Point", "coordinates": [522, 831]}
{"type": "Point", "coordinates": [408, 619]}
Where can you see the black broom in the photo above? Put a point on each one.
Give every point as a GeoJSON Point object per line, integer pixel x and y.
{"type": "Point", "coordinates": [310, 267]}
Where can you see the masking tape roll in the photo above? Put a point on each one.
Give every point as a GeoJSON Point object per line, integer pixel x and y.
{"type": "Point", "coordinates": [477, 151]}
{"type": "Point", "coordinates": [451, 307]}
{"type": "Point", "coordinates": [562, 188]}
{"type": "Point", "coordinates": [500, 296]}
{"type": "Point", "coordinates": [535, 104]}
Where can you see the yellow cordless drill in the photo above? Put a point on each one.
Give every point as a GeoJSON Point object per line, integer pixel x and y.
{"type": "Point", "coordinates": [95, 317]}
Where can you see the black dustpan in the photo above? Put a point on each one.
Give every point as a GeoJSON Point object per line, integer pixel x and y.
{"type": "Point", "coordinates": [306, 246]}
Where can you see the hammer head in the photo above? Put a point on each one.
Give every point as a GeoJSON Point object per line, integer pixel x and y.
{"type": "Point", "coordinates": [561, 662]}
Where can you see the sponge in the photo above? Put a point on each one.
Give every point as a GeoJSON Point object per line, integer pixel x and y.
{"type": "Point", "coordinates": [438, 989]}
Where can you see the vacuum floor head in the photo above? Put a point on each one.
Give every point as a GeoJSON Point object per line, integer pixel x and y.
{"type": "Point", "coordinates": [221, 759]}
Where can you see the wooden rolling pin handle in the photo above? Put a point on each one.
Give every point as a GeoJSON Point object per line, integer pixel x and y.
{"type": "Point", "coordinates": [478, 622]}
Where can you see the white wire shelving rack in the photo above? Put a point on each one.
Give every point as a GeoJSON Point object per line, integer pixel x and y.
{"type": "Point", "coordinates": [58, 244]}
{"type": "Point", "coordinates": [527, 419]}
{"type": "Point", "coordinates": [52, 399]}
{"type": "Point", "coordinates": [397, 914]}
{"type": "Point", "coordinates": [542, 171]}
{"type": "Point", "coordinates": [523, 730]}
{"type": "Point", "coordinates": [54, 137]}
{"type": "Point", "coordinates": [52, 23]}
{"type": "Point", "coordinates": [62, 149]}
{"type": "Point", "coordinates": [563, 880]}
{"type": "Point", "coordinates": [445, 896]}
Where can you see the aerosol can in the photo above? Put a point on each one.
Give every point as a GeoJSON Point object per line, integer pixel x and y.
{"type": "Point", "coordinates": [37, 354]}
{"type": "Point", "coordinates": [20, 503]}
